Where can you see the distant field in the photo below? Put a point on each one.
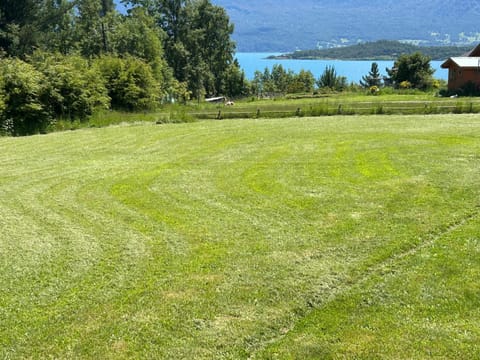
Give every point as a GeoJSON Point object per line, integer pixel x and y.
{"type": "Point", "coordinates": [331, 237]}
{"type": "Point", "coordinates": [409, 102]}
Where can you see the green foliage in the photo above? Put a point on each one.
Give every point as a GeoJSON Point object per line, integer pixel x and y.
{"type": "Point", "coordinates": [373, 78]}
{"type": "Point", "coordinates": [415, 69]}
{"type": "Point", "coordinates": [3, 128]}
{"type": "Point", "coordinates": [180, 92]}
{"type": "Point", "coordinates": [182, 41]}
{"type": "Point", "coordinates": [96, 19]}
{"type": "Point", "coordinates": [19, 25]}
{"type": "Point", "coordinates": [374, 90]}
{"type": "Point", "coordinates": [137, 35]}
{"type": "Point", "coordinates": [197, 45]}
{"type": "Point", "coordinates": [208, 40]}
{"type": "Point", "coordinates": [304, 82]}
{"type": "Point", "coordinates": [378, 50]}
{"type": "Point", "coordinates": [130, 83]}
{"type": "Point", "coordinates": [59, 30]}
{"type": "Point", "coordinates": [235, 84]}
{"type": "Point", "coordinates": [74, 88]}
{"type": "Point", "coordinates": [23, 87]}
{"type": "Point", "coordinates": [330, 80]}
{"type": "Point", "coordinates": [469, 89]}
{"type": "Point", "coordinates": [280, 81]}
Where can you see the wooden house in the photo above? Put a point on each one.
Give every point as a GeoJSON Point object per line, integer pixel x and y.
{"type": "Point", "coordinates": [463, 69]}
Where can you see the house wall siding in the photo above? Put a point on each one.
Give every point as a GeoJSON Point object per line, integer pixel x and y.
{"type": "Point", "coordinates": [457, 77]}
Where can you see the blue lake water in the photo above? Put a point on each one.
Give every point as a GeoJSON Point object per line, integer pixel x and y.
{"type": "Point", "coordinates": [352, 70]}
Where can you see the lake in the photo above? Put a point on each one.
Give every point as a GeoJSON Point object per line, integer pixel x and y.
{"type": "Point", "coordinates": [352, 70]}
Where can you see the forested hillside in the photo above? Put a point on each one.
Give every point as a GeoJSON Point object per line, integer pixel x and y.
{"type": "Point", "coordinates": [66, 58]}
{"type": "Point", "coordinates": [378, 50]}
{"type": "Point", "coordinates": [287, 25]}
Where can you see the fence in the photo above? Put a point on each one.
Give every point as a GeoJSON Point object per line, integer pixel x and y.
{"type": "Point", "coordinates": [340, 108]}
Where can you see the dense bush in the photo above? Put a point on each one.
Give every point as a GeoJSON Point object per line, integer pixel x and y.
{"type": "Point", "coordinates": [281, 81]}
{"type": "Point", "coordinates": [24, 87]}
{"type": "Point", "coordinates": [2, 106]}
{"type": "Point", "coordinates": [75, 89]}
{"type": "Point", "coordinates": [48, 87]}
{"type": "Point", "coordinates": [130, 83]}
{"type": "Point", "coordinates": [413, 70]}
{"type": "Point", "coordinates": [468, 89]}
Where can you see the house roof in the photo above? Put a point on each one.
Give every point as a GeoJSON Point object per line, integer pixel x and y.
{"type": "Point", "coordinates": [463, 62]}
{"type": "Point", "coordinates": [474, 52]}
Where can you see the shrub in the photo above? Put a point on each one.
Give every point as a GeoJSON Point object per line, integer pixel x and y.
{"type": "Point", "coordinates": [130, 83]}
{"type": "Point", "coordinates": [5, 124]}
{"type": "Point", "coordinates": [23, 88]}
{"type": "Point", "coordinates": [469, 89]}
{"type": "Point", "coordinates": [2, 104]}
{"type": "Point", "coordinates": [405, 84]}
{"type": "Point", "coordinates": [75, 89]}
{"type": "Point", "coordinates": [374, 90]}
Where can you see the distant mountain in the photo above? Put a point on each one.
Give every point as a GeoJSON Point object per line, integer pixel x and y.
{"type": "Point", "coordinates": [288, 25]}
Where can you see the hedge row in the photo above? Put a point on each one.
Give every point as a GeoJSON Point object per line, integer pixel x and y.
{"type": "Point", "coordinates": [37, 92]}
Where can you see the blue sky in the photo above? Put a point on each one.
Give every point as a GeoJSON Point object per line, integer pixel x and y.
{"type": "Point", "coordinates": [120, 7]}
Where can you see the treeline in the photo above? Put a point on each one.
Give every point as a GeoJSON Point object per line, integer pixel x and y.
{"type": "Point", "coordinates": [408, 72]}
{"type": "Point", "coordinates": [379, 50]}
{"type": "Point", "coordinates": [65, 58]}
{"type": "Point", "coordinates": [281, 81]}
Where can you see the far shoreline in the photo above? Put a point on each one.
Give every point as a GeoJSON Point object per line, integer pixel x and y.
{"type": "Point", "coordinates": [382, 50]}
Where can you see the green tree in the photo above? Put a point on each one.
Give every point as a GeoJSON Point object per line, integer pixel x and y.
{"type": "Point", "coordinates": [130, 83]}
{"type": "Point", "coordinates": [24, 88]}
{"type": "Point", "coordinates": [414, 68]}
{"type": "Point", "coordinates": [74, 88]}
{"type": "Point", "coordinates": [202, 48]}
{"type": "Point", "coordinates": [197, 46]}
{"type": "Point", "coordinates": [213, 30]}
{"type": "Point", "coordinates": [95, 21]}
{"type": "Point", "coordinates": [26, 25]}
{"type": "Point", "coordinates": [137, 35]}
{"type": "Point", "coordinates": [268, 85]}
{"type": "Point", "coordinates": [281, 78]}
{"type": "Point", "coordinates": [19, 20]}
{"type": "Point", "coordinates": [373, 78]}
{"type": "Point", "coordinates": [171, 17]}
{"type": "Point", "coordinates": [256, 85]}
{"type": "Point", "coordinates": [58, 27]}
{"type": "Point", "coordinates": [303, 82]}
{"type": "Point", "coordinates": [330, 80]}
{"type": "Point", "coordinates": [235, 83]}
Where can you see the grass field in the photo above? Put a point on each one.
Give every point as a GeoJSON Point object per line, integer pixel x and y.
{"type": "Point", "coordinates": [300, 105]}
{"type": "Point", "coordinates": [333, 237]}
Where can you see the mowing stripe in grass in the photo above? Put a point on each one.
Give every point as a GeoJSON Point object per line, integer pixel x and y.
{"type": "Point", "coordinates": [208, 240]}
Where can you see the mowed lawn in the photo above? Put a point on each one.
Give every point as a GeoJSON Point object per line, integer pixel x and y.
{"type": "Point", "coordinates": [334, 237]}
